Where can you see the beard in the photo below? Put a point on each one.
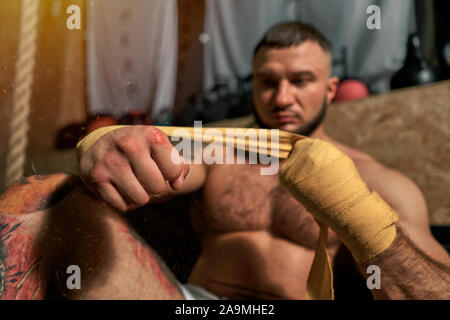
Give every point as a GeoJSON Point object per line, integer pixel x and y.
{"type": "Point", "coordinates": [307, 128]}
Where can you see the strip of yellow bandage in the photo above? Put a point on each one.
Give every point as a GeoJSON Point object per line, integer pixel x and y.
{"type": "Point", "coordinates": [250, 139]}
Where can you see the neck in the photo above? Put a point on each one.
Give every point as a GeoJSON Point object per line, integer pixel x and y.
{"type": "Point", "coordinates": [319, 133]}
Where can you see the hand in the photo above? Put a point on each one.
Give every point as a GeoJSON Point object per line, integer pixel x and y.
{"type": "Point", "coordinates": [129, 165]}
{"type": "Point", "coordinates": [326, 182]}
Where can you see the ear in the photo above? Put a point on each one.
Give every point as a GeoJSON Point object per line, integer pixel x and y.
{"type": "Point", "coordinates": [332, 85]}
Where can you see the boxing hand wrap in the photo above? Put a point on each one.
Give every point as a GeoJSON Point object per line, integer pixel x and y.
{"type": "Point", "coordinates": [327, 183]}
{"type": "Point", "coordinates": [88, 141]}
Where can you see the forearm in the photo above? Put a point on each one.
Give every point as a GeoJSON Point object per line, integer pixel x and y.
{"type": "Point", "coordinates": [408, 273]}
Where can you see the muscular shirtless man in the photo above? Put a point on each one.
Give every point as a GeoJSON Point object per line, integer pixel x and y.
{"type": "Point", "coordinates": [257, 239]}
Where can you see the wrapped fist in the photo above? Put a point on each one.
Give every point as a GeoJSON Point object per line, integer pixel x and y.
{"type": "Point", "coordinates": [327, 183]}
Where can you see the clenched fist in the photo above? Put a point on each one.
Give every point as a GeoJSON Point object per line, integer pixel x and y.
{"type": "Point", "coordinates": [128, 166]}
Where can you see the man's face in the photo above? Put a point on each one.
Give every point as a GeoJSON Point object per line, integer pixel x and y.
{"type": "Point", "coordinates": [292, 85]}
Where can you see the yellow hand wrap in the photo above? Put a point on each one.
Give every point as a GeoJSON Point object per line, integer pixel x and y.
{"type": "Point", "coordinates": [327, 183]}
{"type": "Point", "coordinates": [84, 144]}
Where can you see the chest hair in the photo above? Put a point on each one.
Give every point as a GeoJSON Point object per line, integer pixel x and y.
{"type": "Point", "coordinates": [238, 198]}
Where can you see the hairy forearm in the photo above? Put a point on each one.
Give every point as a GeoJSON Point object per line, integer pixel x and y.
{"type": "Point", "coordinates": [409, 273]}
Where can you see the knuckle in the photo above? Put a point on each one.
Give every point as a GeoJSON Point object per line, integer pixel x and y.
{"type": "Point", "coordinates": [154, 135]}
{"type": "Point", "coordinates": [153, 184]}
{"type": "Point", "coordinates": [115, 161]}
{"type": "Point", "coordinates": [148, 132]}
{"type": "Point", "coordinates": [128, 143]}
{"type": "Point", "coordinates": [98, 175]}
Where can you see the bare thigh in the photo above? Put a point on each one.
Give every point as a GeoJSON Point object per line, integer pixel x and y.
{"type": "Point", "coordinates": [39, 241]}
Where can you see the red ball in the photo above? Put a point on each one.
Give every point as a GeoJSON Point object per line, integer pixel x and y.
{"type": "Point", "coordinates": [100, 122]}
{"type": "Point", "coordinates": [136, 118]}
{"type": "Point", "coordinates": [351, 89]}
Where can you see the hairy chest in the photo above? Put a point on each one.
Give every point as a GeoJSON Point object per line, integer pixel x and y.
{"type": "Point", "coordinates": [239, 198]}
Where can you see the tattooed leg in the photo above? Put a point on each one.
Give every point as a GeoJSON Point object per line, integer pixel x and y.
{"type": "Point", "coordinates": [73, 228]}
{"type": "Point", "coordinates": [21, 273]}
{"type": "Point", "coordinates": [22, 211]}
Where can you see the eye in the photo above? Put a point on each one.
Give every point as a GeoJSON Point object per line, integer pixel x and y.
{"type": "Point", "coordinates": [269, 83]}
{"type": "Point", "coordinates": [300, 82]}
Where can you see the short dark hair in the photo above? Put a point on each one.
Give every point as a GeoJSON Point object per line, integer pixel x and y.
{"type": "Point", "coordinates": [288, 34]}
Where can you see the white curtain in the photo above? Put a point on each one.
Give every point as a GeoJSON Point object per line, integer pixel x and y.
{"type": "Point", "coordinates": [234, 27]}
{"type": "Point", "coordinates": [132, 56]}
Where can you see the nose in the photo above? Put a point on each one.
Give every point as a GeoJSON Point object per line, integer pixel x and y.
{"type": "Point", "coordinates": [284, 96]}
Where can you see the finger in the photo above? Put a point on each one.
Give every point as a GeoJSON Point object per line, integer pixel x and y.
{"type": "Point", "coordinates": [111, 196]}
{"type": "Point", "coordinates": [148, 173]}
{"type": "Point", "coordinates": [129, 187]}
{"type": "Point", "coordinates": [166, 157]}
{"type": "Point", "coordinates": [178, 183]}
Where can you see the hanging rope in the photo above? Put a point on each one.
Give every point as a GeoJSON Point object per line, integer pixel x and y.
{"type": "Point", "coordinates": [18, 137]}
